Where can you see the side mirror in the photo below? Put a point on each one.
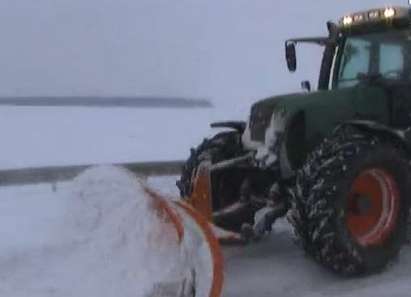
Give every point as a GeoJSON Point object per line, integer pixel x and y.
{"type": "Point", "coordinates": [290, 56]}
{"type": "Point", "coordinates": [306, 86]}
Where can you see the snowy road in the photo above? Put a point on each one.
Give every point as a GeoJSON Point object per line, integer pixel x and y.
{"type": "Point", "coordinates": [272, 267]}
{"type": "Point", "coordinates": [276, 266]}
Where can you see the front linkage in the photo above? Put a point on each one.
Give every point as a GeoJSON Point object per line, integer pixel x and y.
{"type": "Point", "coordinates": [242, 196]}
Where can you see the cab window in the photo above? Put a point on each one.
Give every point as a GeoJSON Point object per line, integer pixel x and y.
{"type": "Point", "coordinates": [355, 59]}
{"type": "Point", "coordinates": [372, 56]}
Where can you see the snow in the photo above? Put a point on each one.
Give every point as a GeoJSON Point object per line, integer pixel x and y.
{"type": "Point", "coordinates": [68, 136]}
{"type": "Point", "coordinates": [32, 264]}
{"type": "Point", "coordinates": [96, 236]}
{"type": "Point", "coordinates": [276, 266]}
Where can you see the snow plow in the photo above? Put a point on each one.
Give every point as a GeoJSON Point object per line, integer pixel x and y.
{"type": "Point", "coordinates": [162, 245]}
{"type": "Point", "coordinates": [200, 247]}
{"type": "Point", "coordinates": [335, 162]}
{"type": "Point", "coordinates": [168, 248]}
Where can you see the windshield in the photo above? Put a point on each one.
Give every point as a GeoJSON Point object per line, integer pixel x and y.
{"type": "Point", "coordinates": [378, 55]}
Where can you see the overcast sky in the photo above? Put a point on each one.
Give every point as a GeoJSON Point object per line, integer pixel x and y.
{"type": "Point", "coordinates": [225, 50]}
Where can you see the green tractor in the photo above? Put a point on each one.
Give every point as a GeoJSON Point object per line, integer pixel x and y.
{"type": "Point", "coordinates": [334, 161]}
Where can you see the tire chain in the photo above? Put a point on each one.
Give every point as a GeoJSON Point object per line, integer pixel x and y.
{"type": "Point", "coordinates": [314, 194]}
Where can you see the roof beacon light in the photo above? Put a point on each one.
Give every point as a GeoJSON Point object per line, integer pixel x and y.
{"type": "Point", "coordinates": [358, 17]}
{"type": "Point", "coordinates": [347, 21]}
{"type": "Point", "coordinates": [389, 13]}
{"type": "Point", "coordinates": [375, 14]}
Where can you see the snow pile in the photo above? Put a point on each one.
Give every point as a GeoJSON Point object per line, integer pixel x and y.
{"type": "Point", "coordinates": [103, 240]}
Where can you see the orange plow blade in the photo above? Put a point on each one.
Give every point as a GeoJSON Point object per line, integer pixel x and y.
{"type": "Point", "coordinates": [201, 200]}
{"type": "Point", "coordinates": [201, 249]}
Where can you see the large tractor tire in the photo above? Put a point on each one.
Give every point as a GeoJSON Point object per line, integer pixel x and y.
{"type": "Point", "coordinates": [225, 186]}
{"type": "Point", "coordinates": [351, 205]}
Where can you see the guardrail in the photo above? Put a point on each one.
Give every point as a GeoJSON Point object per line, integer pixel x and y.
{"type": "Point", "coordinates": [53, 174]}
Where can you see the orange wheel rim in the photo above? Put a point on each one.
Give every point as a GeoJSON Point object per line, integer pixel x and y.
{"type": "Point", "coordinates": [373, 206]}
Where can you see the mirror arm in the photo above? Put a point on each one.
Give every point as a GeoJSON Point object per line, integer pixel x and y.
{"type": "Point", "coordinates": [334, 32]}
{"type": "Point", "coordinates": [306, 86]}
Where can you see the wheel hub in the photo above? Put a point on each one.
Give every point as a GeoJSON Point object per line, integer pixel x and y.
{"type": "Point", "coordinates": [373, 206]}
{"type": "Point", "coordinates": [361, 204]}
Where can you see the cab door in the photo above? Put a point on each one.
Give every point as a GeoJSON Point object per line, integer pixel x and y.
{"type": "Point", "coordinates": [396, 66]}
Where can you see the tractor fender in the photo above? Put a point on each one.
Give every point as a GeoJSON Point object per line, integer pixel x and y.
{"type": "Point", "coordinates": [236, 125]}
{"type": "Point", "coordinates": [294, 141]}
{"type": "Point", "coordinates": [290, 146]}
{"type": "Point", "coordinates": [400, 136]}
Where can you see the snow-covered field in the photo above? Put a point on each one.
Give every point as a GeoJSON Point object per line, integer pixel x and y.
{"type": "Point", "coordinates": [69, 136]}
{"type": "Point", "coordinates": [31, 216]}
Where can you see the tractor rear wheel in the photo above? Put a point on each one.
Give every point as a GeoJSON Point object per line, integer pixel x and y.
{"type": "Point", "coordinates": [351, 202]}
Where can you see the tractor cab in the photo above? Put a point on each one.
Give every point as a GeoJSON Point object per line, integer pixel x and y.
{"type": "Point", "coordinates": [364, 46]}
{"type": "Point", "coordinates": [369, 48]}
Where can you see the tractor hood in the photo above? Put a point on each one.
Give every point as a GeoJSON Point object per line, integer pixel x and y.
{"type": "Point", "coordinates": [283, 105]}
{"type": "Point", "coordinates": [262, 111]}
{"type": "Point", "coordinates": [284, 128]}
{"type": "Point", "coordinates": [273, 114]}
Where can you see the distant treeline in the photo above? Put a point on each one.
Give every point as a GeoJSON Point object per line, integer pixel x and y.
{"type": "Point", "coordinates": [96, 101]}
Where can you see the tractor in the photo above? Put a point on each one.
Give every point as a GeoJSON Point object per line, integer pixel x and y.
{"type": "Point", "coordinates": [334, 161]}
